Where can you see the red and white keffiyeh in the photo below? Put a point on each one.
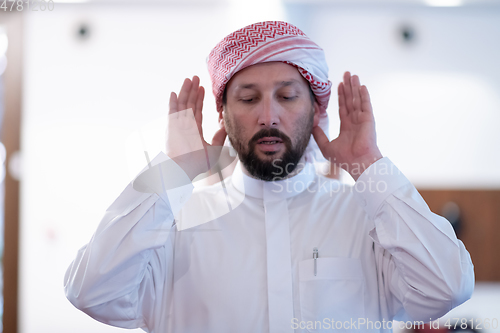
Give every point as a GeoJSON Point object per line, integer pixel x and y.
{"type": "Point", "coordinates": [272, 41]}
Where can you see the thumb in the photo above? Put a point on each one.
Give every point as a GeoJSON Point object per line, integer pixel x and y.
{"type": "Point", "coordinates": [321, 138]}
{"type": "Point", "coordinates": [219, 137]}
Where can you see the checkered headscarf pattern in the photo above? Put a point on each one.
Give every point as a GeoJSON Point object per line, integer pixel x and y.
{"type": "Point", "coordinates": [265, 42]}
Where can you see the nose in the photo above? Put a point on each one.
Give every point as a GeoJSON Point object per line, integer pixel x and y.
{"type": "Point", "coordinates": [268, 114]}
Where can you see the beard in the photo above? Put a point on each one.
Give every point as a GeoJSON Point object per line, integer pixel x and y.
{"type": "Point", "coordinates": [271, 169]}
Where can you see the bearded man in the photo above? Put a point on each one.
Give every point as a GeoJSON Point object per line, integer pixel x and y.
{"type": "Point", "coordinates": [275, 247]}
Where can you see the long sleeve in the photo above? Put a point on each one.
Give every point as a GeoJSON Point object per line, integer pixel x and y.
{"type": "Point", "coordinates": [423, 269]}
{"type": "Point", "coordinates": [122, 276]}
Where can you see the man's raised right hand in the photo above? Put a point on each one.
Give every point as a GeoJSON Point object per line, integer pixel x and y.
{"type": "Point", "coordinates": [184, 142]}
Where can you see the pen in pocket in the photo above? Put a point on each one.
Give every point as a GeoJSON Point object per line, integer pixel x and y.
{"type": "Point", "coordinates": [315, 256]}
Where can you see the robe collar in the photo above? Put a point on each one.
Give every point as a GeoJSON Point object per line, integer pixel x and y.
{"type": "Point", "coordinates": [273, 190]}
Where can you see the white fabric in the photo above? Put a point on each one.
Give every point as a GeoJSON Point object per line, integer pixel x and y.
{"type": "Point", "coordinates": [382, 255]}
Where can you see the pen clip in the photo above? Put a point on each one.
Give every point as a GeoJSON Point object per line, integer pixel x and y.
{"type": "Point", "coordinates": [315, 256]}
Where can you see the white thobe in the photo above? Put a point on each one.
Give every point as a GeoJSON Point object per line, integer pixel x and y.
{"type": "Point", "coordinates": [239, 258]}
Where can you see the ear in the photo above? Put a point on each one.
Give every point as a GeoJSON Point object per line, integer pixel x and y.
{"type": "Point", "coordinates": [221, 119]}
{"type": "Point", "coordinates": [317, 111]}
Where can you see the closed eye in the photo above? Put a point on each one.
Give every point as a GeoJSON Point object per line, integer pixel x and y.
{"type": "Point", "coordinates": [248, 99]}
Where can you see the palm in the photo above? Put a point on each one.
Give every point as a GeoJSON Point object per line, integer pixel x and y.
{"type": "Point", "coordinates": [356, 143]}
{"type": "Point", "coordinates": [185, 141]}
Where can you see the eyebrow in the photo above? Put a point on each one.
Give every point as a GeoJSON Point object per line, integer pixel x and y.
{"type": "Point", "coordinates": [281, 84]}
{"type": "Point", "coordinates": [288, 83]}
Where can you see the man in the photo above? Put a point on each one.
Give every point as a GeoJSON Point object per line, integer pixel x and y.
{"type": "Point", "coordinates": [275, 247]}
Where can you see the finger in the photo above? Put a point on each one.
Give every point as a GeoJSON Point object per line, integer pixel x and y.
{"type": "Point", "coordinates": [198, 115]}
{"type": "Point", "coordinates": [213, 151]}
{"type": "Point", "coordinates": [342, 106]}
{"type": "Point", "coordinates": [348, 92]}
{"type": "Point", "coordinates": [321, 138]}
{"type": "Point", "coordinates": [366, 104]}
{"type": "Point", "coordinates": [219, 137]}
{"type": "Point", "coordinates": [172, 104]}
{"type": "Point", "coordinates": [356, 97]}
{"type": "Point", "coordinates": [193, 94]}
{"type": "Point", "coordinates": [184, 95]}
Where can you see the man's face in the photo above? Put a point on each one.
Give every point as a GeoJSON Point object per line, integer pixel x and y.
{"type": "Point", "coordinates": [269, 118]}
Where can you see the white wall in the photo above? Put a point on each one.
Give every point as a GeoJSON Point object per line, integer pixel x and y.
{"type": "Point", "coordinates": [435, 104]}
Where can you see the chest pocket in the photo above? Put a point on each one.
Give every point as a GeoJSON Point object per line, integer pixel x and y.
{"type": "Point", "coordinates": [335, 293]}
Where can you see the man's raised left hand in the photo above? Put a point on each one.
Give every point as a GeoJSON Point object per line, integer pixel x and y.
{"type": "Point", "coordinates": [355, 149]}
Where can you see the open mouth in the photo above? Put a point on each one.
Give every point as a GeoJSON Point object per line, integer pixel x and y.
{"type": "Point", "coordinates": [269, 141]}
{"type": "Point", "coordinates": [270, 145]}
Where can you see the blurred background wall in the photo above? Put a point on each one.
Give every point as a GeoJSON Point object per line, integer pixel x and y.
{"type": "Point", "coordinates": [96, 78]}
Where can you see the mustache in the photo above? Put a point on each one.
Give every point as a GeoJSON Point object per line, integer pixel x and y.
{"type": "Point", "coordinates": [267, 132]}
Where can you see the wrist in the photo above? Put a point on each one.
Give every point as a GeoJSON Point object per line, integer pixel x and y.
{"type": "Point", "coordinates": [360, 165]}
{"type": "Point", "coordinates": [193, 163]}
